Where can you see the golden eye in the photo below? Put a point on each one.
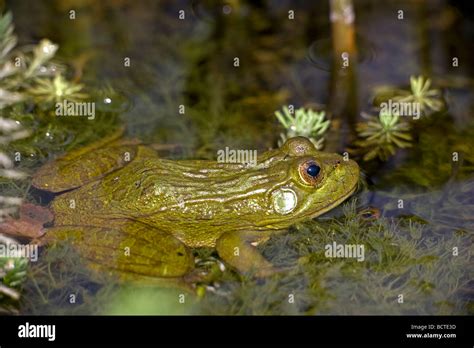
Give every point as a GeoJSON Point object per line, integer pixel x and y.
{"type": "Point", "coordinates": [310, 172]}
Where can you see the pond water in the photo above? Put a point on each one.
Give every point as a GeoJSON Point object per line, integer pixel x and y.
{"type": "Point", "coordinates": [143, 63]}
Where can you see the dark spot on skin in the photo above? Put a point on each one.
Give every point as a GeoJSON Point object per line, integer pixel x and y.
{"type": "Point", "coordinates": [180, 253]}
{"type": "Point", "coordinates": [137, 184]}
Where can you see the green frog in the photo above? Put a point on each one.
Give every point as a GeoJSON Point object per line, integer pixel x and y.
{"type": "Point", "coordinates": [137, 215]}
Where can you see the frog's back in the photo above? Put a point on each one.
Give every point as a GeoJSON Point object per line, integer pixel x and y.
{"type": "Point", "coordinates": [196, 201]}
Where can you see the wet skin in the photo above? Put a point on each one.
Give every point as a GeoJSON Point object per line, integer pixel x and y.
{"type": "Point", "coordinates": [137, 215]}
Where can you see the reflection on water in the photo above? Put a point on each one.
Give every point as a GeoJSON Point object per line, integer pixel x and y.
{"type": "Point", "coordinates": [320, 53]}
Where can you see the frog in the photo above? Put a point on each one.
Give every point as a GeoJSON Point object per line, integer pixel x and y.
{"type": "Point", "coordinates": [136, 215]}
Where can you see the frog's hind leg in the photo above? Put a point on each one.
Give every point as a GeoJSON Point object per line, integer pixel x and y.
{"type": "Point", "coordinates": [87, 164]}
{"type": "Point", "coordinates": [133, 251]}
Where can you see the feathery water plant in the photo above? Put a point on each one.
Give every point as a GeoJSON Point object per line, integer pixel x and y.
{"type": "Point", "coordinates": [13, 272]}
{"type": "Point", "coordinates": [27, 74]}
{"type": "Point", "coordinates": [303, 122]}
{"type": "Point", "coordinates": [430, 100]}
{"type": "Point", "coordinates": [57, 90]}
{"type": "Point", "coordinates": [42, 53]}
{"type": "Point", "coordinates": [7, 39]}
{"type": "Point", "coordinates": [380, 136]}
{"type": "Point", "coordinates": [20, 69]}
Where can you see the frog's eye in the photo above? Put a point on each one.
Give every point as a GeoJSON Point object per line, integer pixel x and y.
{"type": "Point", "coordinates": [309, 172]}
{"type": "Point", "coordinates": [313, 170]}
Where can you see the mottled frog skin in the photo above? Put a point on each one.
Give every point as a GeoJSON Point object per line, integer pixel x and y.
{"type": "Point", "coordinates": [133, 213]}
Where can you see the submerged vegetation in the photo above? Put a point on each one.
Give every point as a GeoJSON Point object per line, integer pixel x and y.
{"type": "Point", "coordinates": [21, 68]}
{"type": "Point", "coordinates": [12, 275]}
{"type": "Point", "coordinates": [443, 154]}
{"type": "Point", "coordinates": [430, 100]}
{"type": "Point", "coordinates": [57, 90]}
{"type": "Point", "coordinates": [30, 82]}
{"type": "Point", "coordinates": [380, 136]}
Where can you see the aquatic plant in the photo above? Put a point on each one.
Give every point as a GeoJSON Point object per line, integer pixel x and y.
{"type": "Point", "coordinates": [381, 136]}
{"type": "Point", "coordinates": [12, 275]}
{"type": "Point", "coordinates": [57, 90]}
{"type": "Point", "coordinates": [60, 283]}
{"type": "Point", "coordinates": [7, 42]}
{"type": "Point", "coordinates": [12, 269]}
{"type": "Point", "coordinates": [29, 80]}
{"type": "Point", "coordinates": [420, 92]}
{"type": "Point", "coordinates": [443, 153]}
{"type": "Point", "coordinates": [430, 100]}
{"type": "Point", "coordinates": [28, 73]}
{"type": "Point", "coordinates": [303, 122]}
{"type": "Point", "coordinates": [19, 67]}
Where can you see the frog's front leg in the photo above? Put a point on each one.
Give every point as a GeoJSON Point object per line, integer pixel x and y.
{"type": "Point", "coordinates": [238, 250]}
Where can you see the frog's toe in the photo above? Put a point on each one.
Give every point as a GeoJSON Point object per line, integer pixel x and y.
{"type": "Point", "coordinates": [30, 224]}
{"type": "Point", "coordinates": [22, 228]}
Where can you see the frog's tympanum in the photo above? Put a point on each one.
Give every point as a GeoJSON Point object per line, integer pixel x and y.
{"type": "Point", "coordinates": [128, 211]}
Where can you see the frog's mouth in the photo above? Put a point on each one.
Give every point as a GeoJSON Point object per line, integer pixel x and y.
{"type": "Point", "coordinates": [352, 182]}
{"type": "Point", "coordinates": [334, 204]}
